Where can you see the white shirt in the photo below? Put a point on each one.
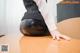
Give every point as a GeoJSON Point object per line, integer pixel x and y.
{"type": "Point", "coordinates": [49, 12]}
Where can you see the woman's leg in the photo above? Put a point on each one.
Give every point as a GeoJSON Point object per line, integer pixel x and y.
{"type": "Point", "coordinates": [32, 22]}
{"type": "Point", "coordinates": [33, 27]}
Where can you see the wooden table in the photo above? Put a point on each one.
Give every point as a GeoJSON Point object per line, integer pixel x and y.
{"type": "Point", "coordinates": [46, 44]}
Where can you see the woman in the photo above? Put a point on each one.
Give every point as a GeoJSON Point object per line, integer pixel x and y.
{"type": "Point", "coordinates": [40, 19]}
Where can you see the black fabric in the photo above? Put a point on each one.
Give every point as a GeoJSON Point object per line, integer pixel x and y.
{"type": "Point", "coordinates": [32, 10]}
{"type": "Point", "coordinates": [46, 0]}
{"type": "Point", "coordinates": [32, 21]}
{"type": "Point", "coordinates": [33, 27]}
{"type": "Point", "coordinates": [30, 5]}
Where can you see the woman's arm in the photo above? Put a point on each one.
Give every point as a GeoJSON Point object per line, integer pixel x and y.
{"type": "Point", "coordinates": [49, 12]}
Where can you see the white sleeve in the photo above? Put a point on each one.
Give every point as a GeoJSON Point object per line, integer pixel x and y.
{"type": "Point", "coordinates": [50, 18]}
{"type": "Point", "coordinates": [49, 12]}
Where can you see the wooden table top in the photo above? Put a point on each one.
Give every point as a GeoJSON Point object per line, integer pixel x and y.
{"type": "Point", "coordinates": [48, 45]}
{"type": "Point", "coordinates": [45, 44]}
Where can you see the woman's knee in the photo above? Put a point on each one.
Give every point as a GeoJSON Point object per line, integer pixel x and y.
{"type": "Point", "coordinates": [25, 26]}
{"type": "Point", "coordinates": [33, 27]}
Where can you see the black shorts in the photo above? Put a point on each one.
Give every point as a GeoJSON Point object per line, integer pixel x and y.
{"type": "Point", "coordinates": [33, 24]}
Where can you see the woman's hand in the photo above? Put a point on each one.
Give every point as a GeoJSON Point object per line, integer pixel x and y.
{"type": "Point", "coordinates": [57, 35]}
{"type": "Point", "coordinates": [49, 12]}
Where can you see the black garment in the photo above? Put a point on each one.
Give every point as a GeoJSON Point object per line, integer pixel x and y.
{"type": "Point", "coordinates": [32, 22]}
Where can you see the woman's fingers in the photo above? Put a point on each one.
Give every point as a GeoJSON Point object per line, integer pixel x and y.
{"type": "Point", "coordinates": [65, 37]}
{"type": "Point", "coordinates": [54, 37]}
{"type": "Point", "coordinates": [57, 37]}
{"type": "Point", "coordinates": [60, 36]}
